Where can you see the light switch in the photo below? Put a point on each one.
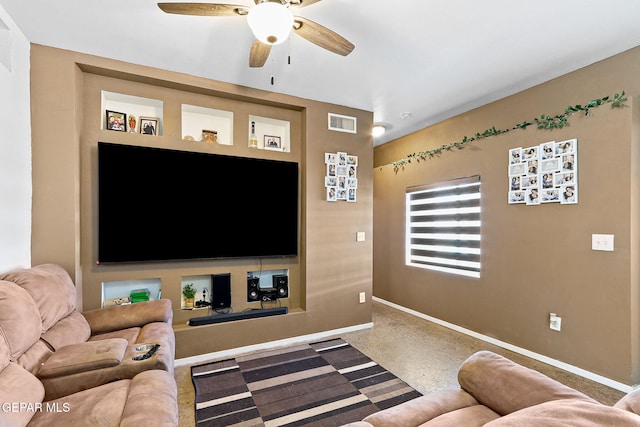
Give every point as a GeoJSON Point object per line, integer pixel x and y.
{"type": "Point", "coordinates": [360, 236]}
{"type": "Point", "coordinates": [602, 242]}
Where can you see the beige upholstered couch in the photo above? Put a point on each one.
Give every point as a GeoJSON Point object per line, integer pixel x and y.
{"type": "Point", "coordinates": [498, 392]}
{"type": "Point", "coordinates": [59, 366]}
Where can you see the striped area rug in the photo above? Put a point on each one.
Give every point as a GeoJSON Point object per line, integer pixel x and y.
{"type": "Point", "coordinates": [329, 383]}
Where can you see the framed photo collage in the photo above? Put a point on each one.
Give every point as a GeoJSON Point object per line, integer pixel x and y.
{"type": "Point", "coordinates": [341, 180]}
{"type": "Point", "coordinates": [545, 173]}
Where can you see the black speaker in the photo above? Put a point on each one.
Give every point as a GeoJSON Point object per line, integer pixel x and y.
{"type": "Point", "coordinates": [281, 284]}
{"type": "Point", "coordinates": [229, 317]}
{"type": "Point", "coordinates": [220, 291]}
{"type": "Point", "coordinates": [253, 289]}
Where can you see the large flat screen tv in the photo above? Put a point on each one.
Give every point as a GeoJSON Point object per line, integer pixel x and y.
{"type": "Point", "coordinates": [167, 205]}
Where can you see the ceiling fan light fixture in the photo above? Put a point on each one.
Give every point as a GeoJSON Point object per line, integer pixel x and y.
{"type": "Point", "coordinates": [378, 130]}
{"type": "Point", "coordinates": [270, 22]}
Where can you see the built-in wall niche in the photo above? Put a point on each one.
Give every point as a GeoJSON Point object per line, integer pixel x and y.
{"type": "Point", "coordinates": [145, 112]}
{"type": "Point", "coordinates": [207, 125]}
{"type": "Point", "coordinates": [267, 285]}
{"type": "Point", "coordinates": [271, 134]}
{"type": "Point", "coordinates": [201, 285]}
{"type": "Point", "coordinates": [120, 292]}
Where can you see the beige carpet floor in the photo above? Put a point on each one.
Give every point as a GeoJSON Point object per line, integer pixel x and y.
{"type": "Point", "coordinates": [423, 354]}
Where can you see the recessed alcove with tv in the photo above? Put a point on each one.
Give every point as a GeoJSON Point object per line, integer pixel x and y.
{"type": "Point", "coordinates": [157, 204]}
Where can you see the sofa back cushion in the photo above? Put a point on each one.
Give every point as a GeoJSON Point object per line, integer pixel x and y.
{"type": "Point", "coordinates": [17, 386]}
{"type": "Point", "coordinates": [51, 288]}
{"type": "Point", "coordinates": [20, 324]}
{"type": "Point", "coordinates": [506, 387]}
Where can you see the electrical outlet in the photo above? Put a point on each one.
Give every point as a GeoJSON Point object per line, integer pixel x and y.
{"type": "Point", "coordinates": [363, 298]}
{"type": "Point", "coordinates": [602, 242]}
{"type": "Point", "coordinates": [360, 237]}
{"type": "Point", "coordinates": [555, 322]}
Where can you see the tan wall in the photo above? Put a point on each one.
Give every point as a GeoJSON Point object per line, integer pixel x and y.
{"type": "Point", "coordinates": [325, 278]}
{"type": "Point", "coordinates": [535, 259]}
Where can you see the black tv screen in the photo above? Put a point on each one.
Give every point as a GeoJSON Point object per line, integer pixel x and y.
{"type": "Point", "coordinates": [167, 205]}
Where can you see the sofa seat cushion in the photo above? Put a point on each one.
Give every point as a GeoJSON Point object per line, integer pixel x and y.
{"type": "Point", "coordinates": [569, 412]}
{"type": "Point", "coordinates": [20, 324]}
{"type": "Point", "coordinates": [129, 334]}
{"type": "Point", "coordinates": [19, 387]}
{"type": "Point", "coordinates": [471, 416]}
{"type": "Point", "coordinates": [149, 399]}
{"type": "Point", "coordinates": [99, 406]}
{"type": "Point", "coordinates": [51, 288]}
{"type": "Point", "coordinates": [418, 411]}
{"type": "Point", "coordinates": [83, 357]}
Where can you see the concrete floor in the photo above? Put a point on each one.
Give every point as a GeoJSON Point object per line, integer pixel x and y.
{"type": "Point", "coordinates": [423, 354]}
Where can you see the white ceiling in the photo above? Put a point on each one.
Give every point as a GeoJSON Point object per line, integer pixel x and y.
{"type": "Point", "coordinates": [432, 58]}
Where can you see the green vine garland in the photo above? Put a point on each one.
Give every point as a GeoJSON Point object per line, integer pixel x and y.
{"type": "Point", "coordinates": [543, 122]}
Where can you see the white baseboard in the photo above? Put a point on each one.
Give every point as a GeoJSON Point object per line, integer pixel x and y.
{"type": "Point", "coordinates": [233, 352]}
{"type": "Point", "coordinates": [549, 361]}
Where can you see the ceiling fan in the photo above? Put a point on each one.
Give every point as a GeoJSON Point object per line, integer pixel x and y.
{"type": "Point", "coordinates": [271, 22]}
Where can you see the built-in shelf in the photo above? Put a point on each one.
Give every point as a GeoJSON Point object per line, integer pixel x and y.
{"type": "Point", "coordinates": [265, 277]}
{"type": "Point", "coordinates": [122, 289]}
{"type": "Point", "coordinates": [272, 134]}
{"type": "Point", "coordinates": [202, 284]}
{"type": "Point", "coordinates": [139, 107]}
{"type": "Point", "coordinates": [198, 120]}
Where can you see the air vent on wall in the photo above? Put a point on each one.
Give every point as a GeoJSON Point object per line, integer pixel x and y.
{"type": "Point", "coordinates": [342, 123]}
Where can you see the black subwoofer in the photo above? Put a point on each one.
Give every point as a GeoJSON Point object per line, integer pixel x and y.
{"type": "Point", "coordinates": [220, 291]}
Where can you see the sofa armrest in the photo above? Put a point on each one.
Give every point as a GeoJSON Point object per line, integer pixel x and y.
{"type": "Point", "coordinates": [118, 317]}
{"type": "Point", "coordinates": [86, 356]}
{"type": "Point", "coordinates": [630, 402]}
{"type": "Point", "coordinates": [152, 401]}
{"type": "Point", "coordinates": [422, 409]}
{"type": "Point", "coordinates": [505, 386]}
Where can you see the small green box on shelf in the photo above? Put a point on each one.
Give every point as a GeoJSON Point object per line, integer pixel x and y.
{"type": "Point", "coordinates": [139, 295]}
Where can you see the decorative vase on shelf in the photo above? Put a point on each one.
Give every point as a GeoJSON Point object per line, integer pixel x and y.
{"type": "Point", "coordinates": [188, 302]}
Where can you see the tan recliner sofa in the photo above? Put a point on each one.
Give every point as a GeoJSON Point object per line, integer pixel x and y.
{"type": "Point", "coordinates": [495, 391]}
{"type": "Point", "coordinates": [59, 366]}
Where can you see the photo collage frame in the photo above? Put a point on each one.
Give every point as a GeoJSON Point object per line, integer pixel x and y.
{"type": "Point", "coordinates": [341, 180]}
{"type": "Point", "coordinates": [545, 173]}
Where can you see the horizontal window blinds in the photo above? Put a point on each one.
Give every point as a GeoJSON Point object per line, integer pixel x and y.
{"type": "Point", "coordinates": [443, 226]}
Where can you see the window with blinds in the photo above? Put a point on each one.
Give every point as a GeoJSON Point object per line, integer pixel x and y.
{"type": "Point", "coordinates": [443, 226]}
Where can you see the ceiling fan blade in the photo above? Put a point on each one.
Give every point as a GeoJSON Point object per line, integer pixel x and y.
{"type": "Point", "coordinates": [322, 36]}
{"type": "Point", "coordinates": [259, 54]}
{"type": "Point", "coordinates": [302, 3]}
{"type": "Point", "coordinates": [204, 9]}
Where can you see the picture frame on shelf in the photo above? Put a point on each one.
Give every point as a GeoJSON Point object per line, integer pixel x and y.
{"type": "Point", "coordinates": [149, 125]}
{"type": "Point", "coordinates": [116, 121]}
{"type": "Point", "coordinates": [272, 142]}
